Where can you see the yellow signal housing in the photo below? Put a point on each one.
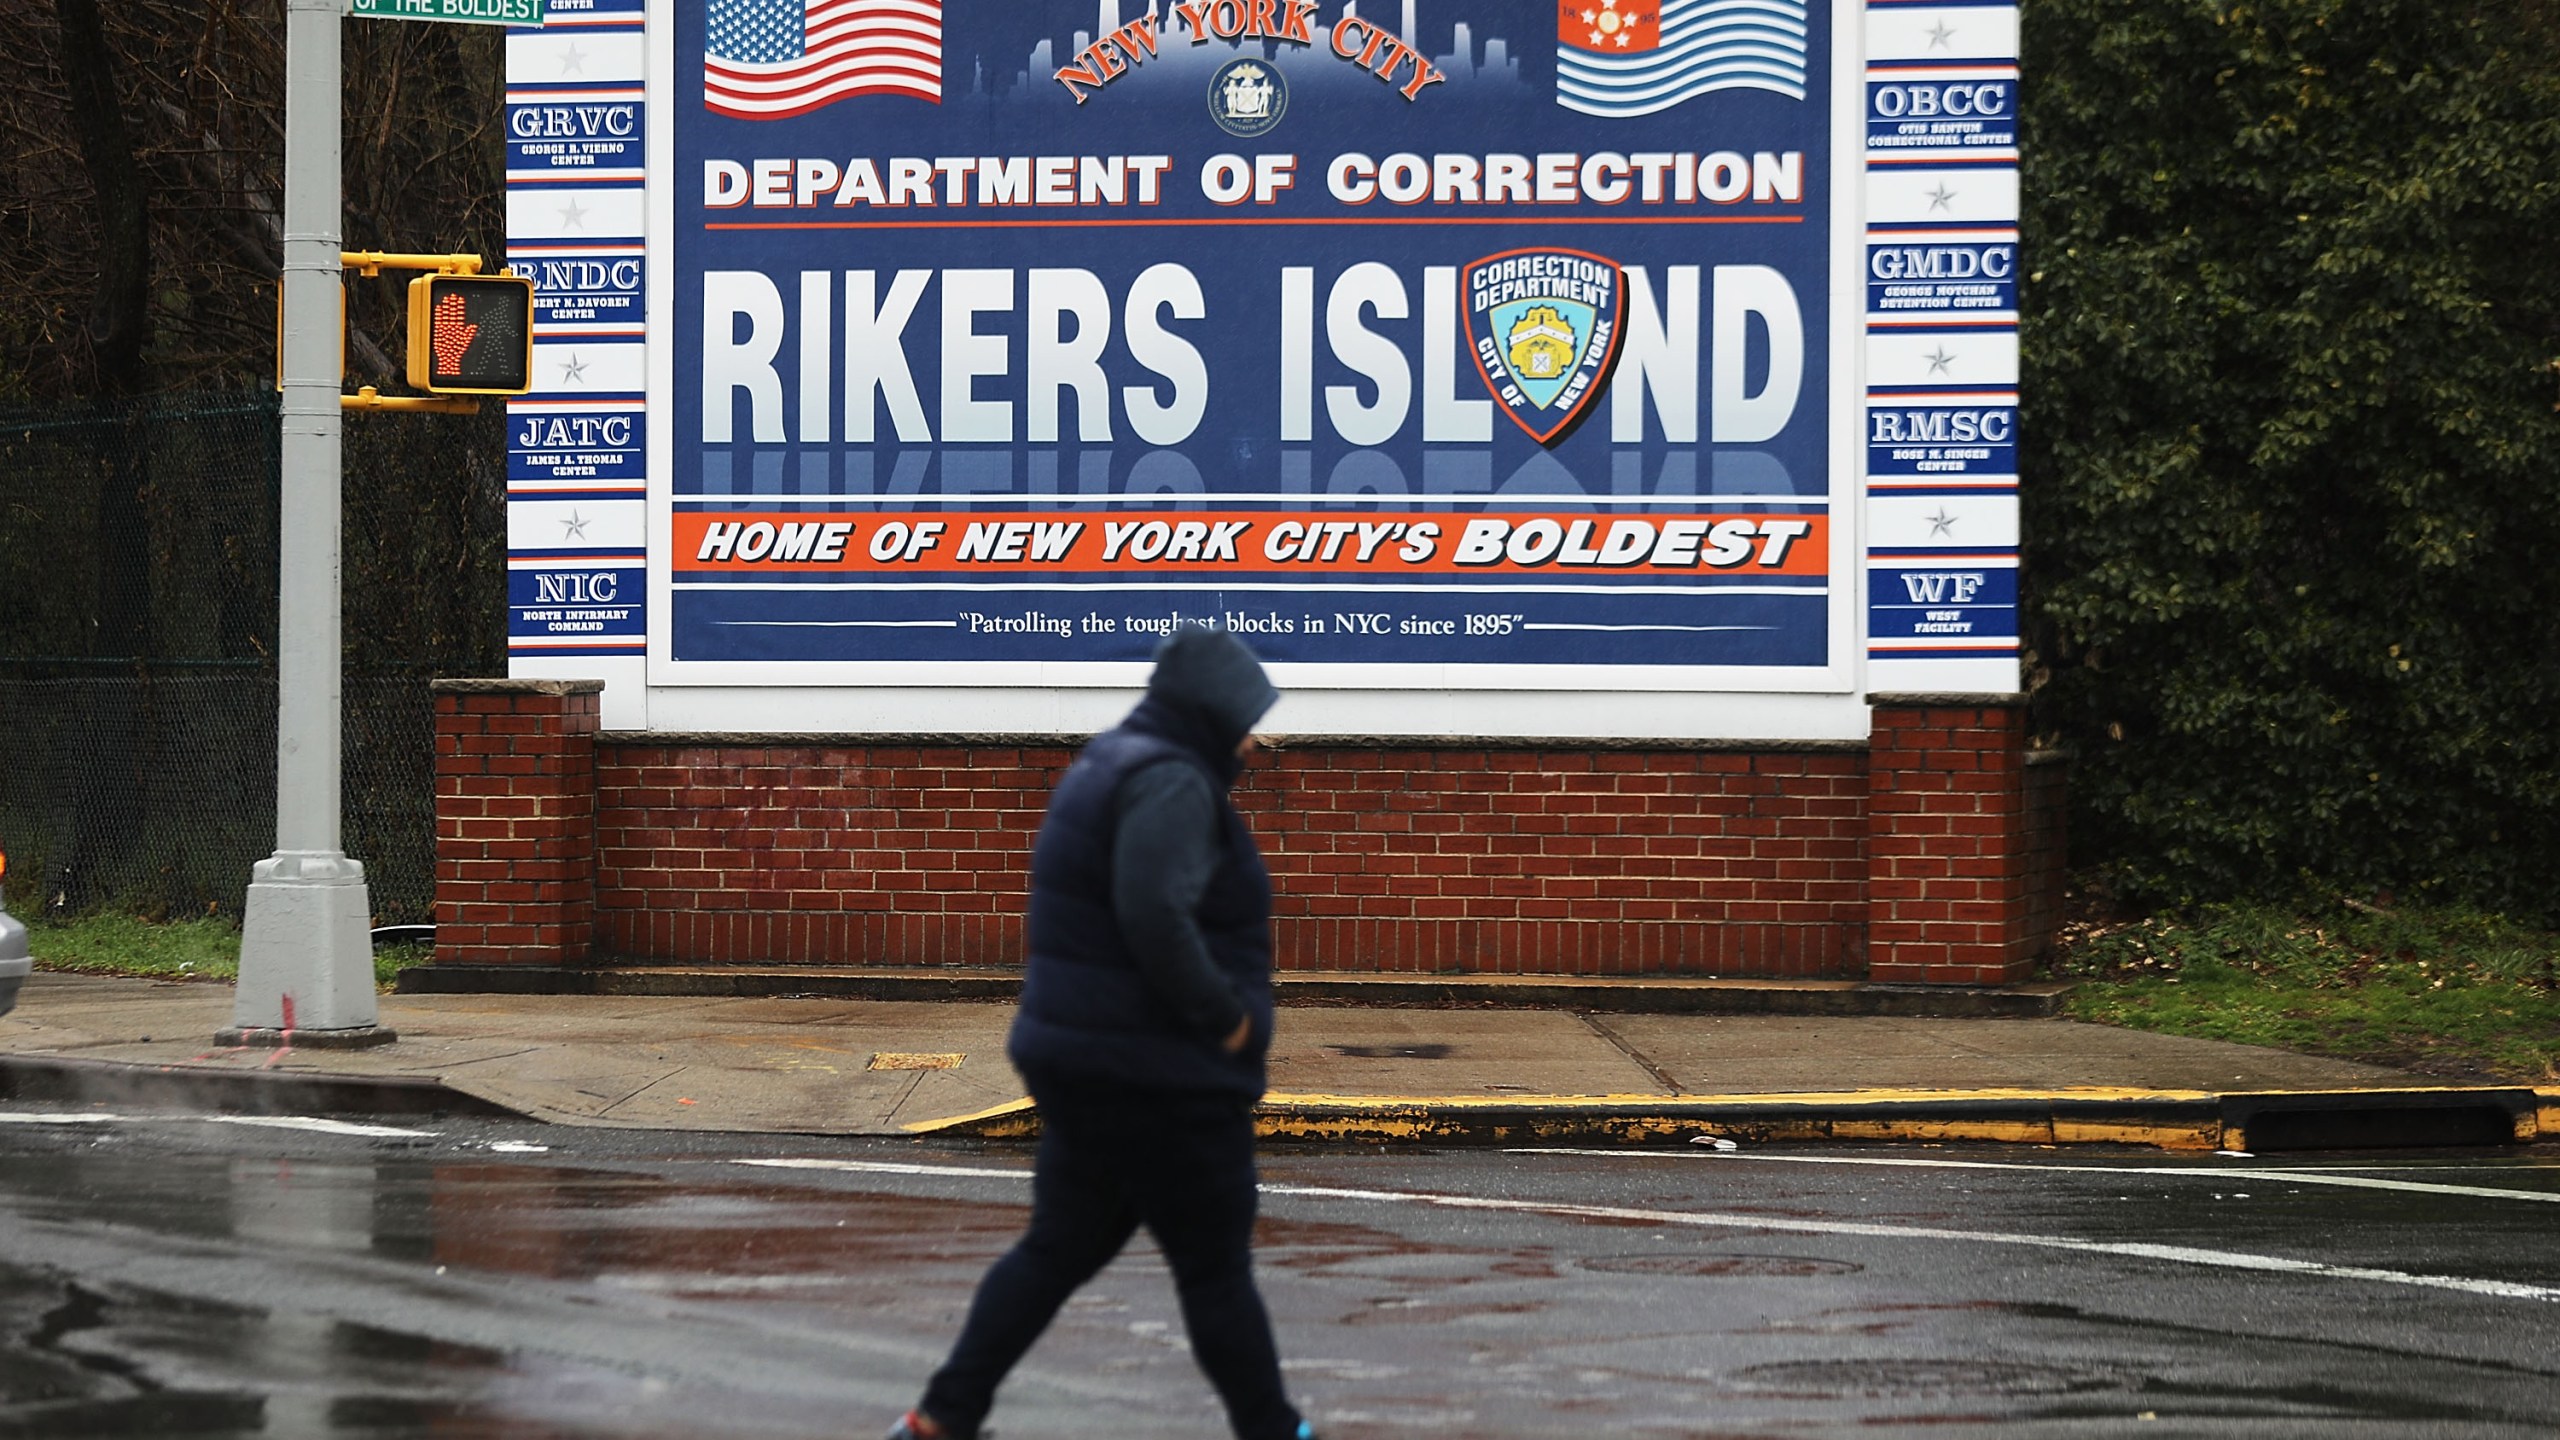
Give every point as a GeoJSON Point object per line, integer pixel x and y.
{"type": "Point", "coordinates": [471, 334]}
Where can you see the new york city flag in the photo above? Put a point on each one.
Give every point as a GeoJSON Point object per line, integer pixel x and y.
{"type": "Point", "coordinates": [1636, 57]}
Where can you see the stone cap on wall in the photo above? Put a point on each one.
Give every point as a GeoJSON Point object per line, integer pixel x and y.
{"type": "Point", "coordinates": [514, 687]}
{"type": "Point", "coordinates": [731, 740]}
{"type": "Point", "coordinates": [2005, 700]}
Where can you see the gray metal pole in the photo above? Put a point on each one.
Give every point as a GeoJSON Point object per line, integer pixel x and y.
{"type": "Point", "coordinates": [306, 956]}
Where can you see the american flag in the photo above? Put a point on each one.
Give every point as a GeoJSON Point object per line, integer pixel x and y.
{"type": "Point", "coordinates": [768, 59]}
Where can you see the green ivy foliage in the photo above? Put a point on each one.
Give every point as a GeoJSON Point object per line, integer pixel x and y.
{"type": "Point", "coordinates": [2291, 333]}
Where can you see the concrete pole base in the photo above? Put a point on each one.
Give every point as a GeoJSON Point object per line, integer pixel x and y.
{"type": "Point", "coordinates": [306, 949]}
{"type": "Point", "coordinates": [363, 1037]}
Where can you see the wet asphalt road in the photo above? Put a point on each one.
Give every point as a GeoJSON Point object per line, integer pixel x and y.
{"type": "Point", "coordinates": [180, 1276]}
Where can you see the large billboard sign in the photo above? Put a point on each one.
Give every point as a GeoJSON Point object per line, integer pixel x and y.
{"type": "Point", "coordinates": [1573, 346]}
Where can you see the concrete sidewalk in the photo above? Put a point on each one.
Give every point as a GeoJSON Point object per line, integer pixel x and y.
{"type": "Point", "coordinates": [890, 1067]}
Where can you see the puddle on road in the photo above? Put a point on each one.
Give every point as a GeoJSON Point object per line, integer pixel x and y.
{"type": "Point", "coordinates": [2120, 1330]}
{"type": "Point", "coordinates": [2300, 1404]}
{"type": "Point", "coordinates": [1878, 1378]}
{"type": "Point", "coordinates": [1427, 1051]}
{"type": "Point", "coordinates": [78, 1359]}
{"type": "Point", "coordinates": [1340, 1250]}
{"type": "Point", "coordinates": [1406, 1311]}
{"type": "Point", "coordinates": [1886, 1319]}
{"type": "Point", "coordinates": [653, 1234]}
{"type": "Point", "coordinates": [1719, 1264]}
{"type": "Point", "coordinates": [557, 1223]}
{"type": "Point", "coordinates": [1509, 1315]}
{"type": "Point", "coordinates": [84, 1359]}
{"type": "Point", "coordinates": [160, 1412]}
{"type": "Point", "coordinates": [2164, 1380]}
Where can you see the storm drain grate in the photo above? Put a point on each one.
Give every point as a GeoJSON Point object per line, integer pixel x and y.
{"type": "Point", "coordinates": [2348, 1121]}
{"type": "Point", "coordinates": [2462, 1127]}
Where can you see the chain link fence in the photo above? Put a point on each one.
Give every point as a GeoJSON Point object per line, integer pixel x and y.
{"type": "Point", "coordinates": [138, 553]}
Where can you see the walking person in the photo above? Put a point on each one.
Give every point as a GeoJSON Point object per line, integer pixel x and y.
{"type": "Point", "coordinates": [1146, 1015]}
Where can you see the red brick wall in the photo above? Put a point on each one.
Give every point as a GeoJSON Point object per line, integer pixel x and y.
{"type": "Point", "coordinates": [1563, 861]}
{"type": "Point", "coordinates": [1918, 856]}
{"type": "Point", "coordinates": [515, 821]}
{"type": "Point", "coordinates": [1946, 841]}
{"type": "Point", "coordinates": [1384, 858]}
{"type": "Point", "coordinates": [824, 854]}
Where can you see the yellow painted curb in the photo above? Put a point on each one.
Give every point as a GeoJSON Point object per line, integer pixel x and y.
{"type": "Point", "coordinates": [2114, 1115]}
{"type": "Point", "coordinates": [2169, 1119]}
{"type": "Point", "coordinates": [1743, 1097]}
{"type": "Point", "coordinates": [1012, 1120]}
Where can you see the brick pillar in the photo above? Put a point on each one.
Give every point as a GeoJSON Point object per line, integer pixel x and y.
{"type": "Point", "coordinates": [515, 821]}
{"type": "Point", "coordinates": [1948, 840]}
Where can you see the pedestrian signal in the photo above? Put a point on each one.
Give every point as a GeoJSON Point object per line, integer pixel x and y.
{"type": "Point", "coordinates": [471, 334]}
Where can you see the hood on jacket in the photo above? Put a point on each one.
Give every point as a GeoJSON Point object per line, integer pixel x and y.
{"type": "Point", "coordinates": [1211, 678]}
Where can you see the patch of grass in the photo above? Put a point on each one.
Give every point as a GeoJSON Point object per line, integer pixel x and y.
{"type": "Point", "coordinates": [2453, 993]}
{"type": "Point", "coordinates": [109, 944]}
{"type": "Point", "coordinates": [390, 960]}
{"type": "Point", "coordinates": [126, 945]}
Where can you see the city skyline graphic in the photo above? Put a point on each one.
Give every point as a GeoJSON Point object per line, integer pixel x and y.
{"type": "Point", "coordinates": [1469, 60]}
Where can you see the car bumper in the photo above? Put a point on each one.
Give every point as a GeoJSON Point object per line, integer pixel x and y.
{"type": "Point", "coordinates": [14, 963]}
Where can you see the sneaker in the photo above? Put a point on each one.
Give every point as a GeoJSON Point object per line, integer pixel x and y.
{"type": "Point", "coordinates": [913, 1426]}
{"type": "Point", "coordinates": [1306, 1430]}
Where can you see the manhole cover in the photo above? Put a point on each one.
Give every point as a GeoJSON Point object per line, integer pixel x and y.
{"type": "Point", "coordinates": [1392, 1052]}
{"type": "Point", "coordinates": [1909, 1379]}
{"type": "Point", "coordinates": [1746, 1266]}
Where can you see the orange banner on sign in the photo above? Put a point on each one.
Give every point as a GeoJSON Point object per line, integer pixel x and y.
{"type": "Point", "coordinates": [1258, 542]}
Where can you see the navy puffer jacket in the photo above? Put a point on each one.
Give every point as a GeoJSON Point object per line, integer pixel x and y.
{"type": "Point", "coordinates": [1090, 1011]}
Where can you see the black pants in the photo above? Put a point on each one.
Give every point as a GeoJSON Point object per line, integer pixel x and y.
{"type": "Point", "coordinates": [1111, 1160]}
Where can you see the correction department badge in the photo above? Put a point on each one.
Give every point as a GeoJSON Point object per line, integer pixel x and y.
{"type": "Point", "coordinates": [1248, 96]}
{"type": "Point", "coordinates": [1543, 328]}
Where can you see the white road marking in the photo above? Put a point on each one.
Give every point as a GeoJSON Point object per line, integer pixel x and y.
{"type": "Point", "coordinates": [2178, 1254]}
{"type": "Point", "coordinates": [2523, 1165]}
{"type": "Point", "coordinates": [1708, 1219]}
{"type": "Point", "coordinates": [313, 1122]}
{"type": "Point", "coordinates": [273, 1122]}
{"type": "Point", "coordinates": [884, 1167]}
{"type": "Point", "coordinates": [2357, 1182]}
{"type": "Point", "coordinates": [719, 1284]}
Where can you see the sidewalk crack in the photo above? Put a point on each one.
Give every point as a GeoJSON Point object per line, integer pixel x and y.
{"type": "Point", "coordinates": [1609, 1033]}
{"type": "Point", "coordinates": [643, 1090]}
{"type": "Point", "coordinates": [485, 1059]}
{"type": "Point", "coordinates": [915, 1080]}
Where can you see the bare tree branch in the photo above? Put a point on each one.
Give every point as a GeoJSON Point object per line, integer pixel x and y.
{"type": "Point", "coordinates": [423, 164]}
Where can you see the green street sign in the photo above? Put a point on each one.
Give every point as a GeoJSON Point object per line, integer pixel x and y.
{"type": "Point", "coordinates": [466, 12]}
